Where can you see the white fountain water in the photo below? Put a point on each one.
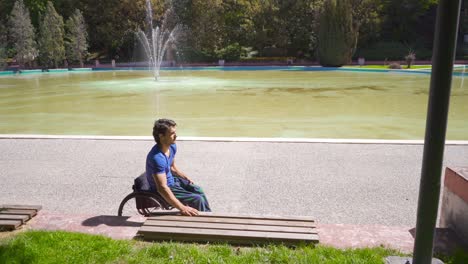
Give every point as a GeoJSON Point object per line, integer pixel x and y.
{"type": "Point", "coordinates": [157, 40]}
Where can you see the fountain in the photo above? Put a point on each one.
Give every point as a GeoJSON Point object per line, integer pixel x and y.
{"type": "Point", "coordinates": [157, 40]}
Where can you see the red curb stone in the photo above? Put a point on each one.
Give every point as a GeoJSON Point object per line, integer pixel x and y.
{"type": "Point", "coordinates": [456, 180]}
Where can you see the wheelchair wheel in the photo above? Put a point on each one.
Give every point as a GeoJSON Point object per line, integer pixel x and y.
{"type": "Point", "coordinates": [139, 203]}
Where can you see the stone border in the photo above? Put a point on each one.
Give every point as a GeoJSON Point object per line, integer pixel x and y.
{"type": "Point", "coordinates": [454, 208]}
{"type": "Point", "coordinates": [234, 139]}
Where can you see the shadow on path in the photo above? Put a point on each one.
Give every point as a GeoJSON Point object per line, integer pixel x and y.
{"type": "Point", "coordinates": [446, 241]}
{"type": "Point", "coordinates": [109, 220]}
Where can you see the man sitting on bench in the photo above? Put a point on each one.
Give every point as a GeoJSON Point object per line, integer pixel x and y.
{"type": "Point", "coordinates": [179, 191]}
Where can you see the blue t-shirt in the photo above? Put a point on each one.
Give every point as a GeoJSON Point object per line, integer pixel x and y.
{"type": "Point", "coordinates": [158, 162]}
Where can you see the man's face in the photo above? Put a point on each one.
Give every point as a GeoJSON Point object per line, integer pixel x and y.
{"type": "Point", "coordinates": [170, 136]}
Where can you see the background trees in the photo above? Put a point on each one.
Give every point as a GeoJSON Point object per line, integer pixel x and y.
{"type": "Point", "coordinates": [76, 38]}
{"type": "Point", "coordinates": [387, 29]}
{"type": "Point", "coordinates": [337, 33]}
{"type": "Point", "coordinates": [22, 34]}
{"type": "Point", "coordinates": [51, 43]}
{"type": "Point", "coordinates": [3, 42]}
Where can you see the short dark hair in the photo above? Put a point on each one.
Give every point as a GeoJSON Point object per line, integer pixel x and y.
{"type": "Point", "coordinates": [161, 126]}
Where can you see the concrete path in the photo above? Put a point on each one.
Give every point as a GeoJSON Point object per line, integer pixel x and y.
{"type": "Point", "coordinates": [353, 184]}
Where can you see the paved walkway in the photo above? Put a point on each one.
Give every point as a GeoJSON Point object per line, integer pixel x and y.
{"type": "Point", "coordinates": [357, 192]}
{"type": "Point", "coordinates": [336, 235]}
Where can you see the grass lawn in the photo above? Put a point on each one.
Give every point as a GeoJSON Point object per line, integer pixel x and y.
{"type": "Point", "coordinates": [66, 247]}
{"type": "Point", "coordinates": [386, 66]}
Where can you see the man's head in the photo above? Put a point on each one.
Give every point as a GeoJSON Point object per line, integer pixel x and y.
{"type": "Point", "coordinates": [164, 131]}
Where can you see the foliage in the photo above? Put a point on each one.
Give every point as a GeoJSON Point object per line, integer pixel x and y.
{"type": "Point", "coordinates": [22, 34]}
{"type": "Point", "coordinates": [76, 38]}
{"type": "Point", "coordinates": [230, 53]}
{"type": "Point", "coordinates": [114, 23]}
{"type": "Point", "coordinates": [390, 50]}
{"type": "Point", "coordinates": [65, 247]}
{"type": "Point", "coordinates": [3, 51]}
{"type": "Point", "coordinates": [367, 17]}
{"type": "Point", "coordinates": [401, 19]}
{"type": "Point", "coordinates": [51, 37]}
{"type": "Point", "coordinates": [190, 54]}
{"type": "Point", "coordinates": [2, 57]}
{"type": "Point", "coordinates": [458, 255]}
{"type": "Point", "coordinates": [289, 25]}
{"type": "Point", "coordinates": [337, 34]}
{"type": "Point", "coordinates": [207, 27]}
{"type": "Point", "coordinates": [274, 52]}
{"type": "Point", "coordinates": [212, 25]}
{"type": "Point", "coordinates": [410, 58]}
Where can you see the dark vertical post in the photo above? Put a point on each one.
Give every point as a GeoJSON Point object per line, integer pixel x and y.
{"type": "Point", "coordinates": [443, 55]}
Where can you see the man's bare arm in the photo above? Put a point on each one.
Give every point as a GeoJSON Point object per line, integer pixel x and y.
{"type": "Point", "coordinates": [165, 191]}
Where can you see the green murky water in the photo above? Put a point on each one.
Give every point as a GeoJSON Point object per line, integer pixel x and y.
{"type": "Point", "coordinates": [309, 104]}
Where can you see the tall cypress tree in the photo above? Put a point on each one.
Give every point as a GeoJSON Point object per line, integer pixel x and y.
{"type": "Point", "coordinates": [3, 41]}
{"type": "Point", "coordinates": [76, 38]}
{"type": "Point", "coordinates": [51, 34]}
{"type": "Point", "coordinates": [22, 34]}
{"type": "Point", "coordinates": [337, 35]}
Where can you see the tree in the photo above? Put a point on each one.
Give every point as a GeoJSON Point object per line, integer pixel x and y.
{"type": "Point", "coordinates": [401, 18]}
{"type": "Point", "coordinates": [297, 23]}
{"type": "Point", "coordinates": [207, 26]}
{"type": "Point", "coordinates": [3, 47]}
{"type": "Point", "coordinates": [76, 38]}
{"type": "Point", "coordinates": [51, 42]}
{"type": "Point", "coordinates": [337, 34]}
{"type": "Point", "coordinates": [22, 34]}
{"type": "Point", "coordinates": [114, 23]}
{"type": "Point", "coordinates": [2, 56]}
{"type": "Point", "coordinates": [367, 19]}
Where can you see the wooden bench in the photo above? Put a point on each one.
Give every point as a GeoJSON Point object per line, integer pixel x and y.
{"type": "Point", "coordinates": [233, 229]}
{"type": "Point", "coordinates": [13, 216]}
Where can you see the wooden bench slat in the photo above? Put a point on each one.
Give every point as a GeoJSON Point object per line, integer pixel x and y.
{"type": "Point", "coordinates": [22, 218]}
{"type": "Point", "coordinates": [19, 206]}
{"type": "Point", "coordinates": [213, 219]}
{"type": "Point", "coordinates": [204, 234]}
{"type": "Point", "coordinates": [227, 226]}
{"type": "Point", "coordinates": [29, 212]}
{"type": "Point", "coordinates": [9, 224]}
{"type": "Point", "coordinates": [245, 216]}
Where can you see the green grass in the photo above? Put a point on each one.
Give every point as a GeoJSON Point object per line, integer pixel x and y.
{"type": "Point", "coordinates": [66, 247]}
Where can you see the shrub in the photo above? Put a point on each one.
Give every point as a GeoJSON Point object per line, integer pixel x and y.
{"type": "Point", "coordinates": [190, 54]}
{"type": "Point", "coordinates": [266, 59]}
{"type": "Point", "coordinates": [274, 52]}
{"type": "Point", "coordinates": [337, 35]}
{"type": "Point", "coordinates": [394, 65]}
{"type": "Point", "coordinates": [392, 50]}
{"type": "Point", "coordinates": [230, 53]}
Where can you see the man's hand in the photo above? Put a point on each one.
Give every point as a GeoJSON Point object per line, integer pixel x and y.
{"type": "Point", "coordinates": [189, 180]}
{"type": "Point", "coordinates": [188, 211]}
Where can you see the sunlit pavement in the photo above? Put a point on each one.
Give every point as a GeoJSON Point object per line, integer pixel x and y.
{"type": "Point", "coordinates": [371, 187]}
{"type": "Point", "coordinates": [335, 183]}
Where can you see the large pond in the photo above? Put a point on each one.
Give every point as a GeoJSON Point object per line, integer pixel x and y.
{"type": "Point", "coordinates": [242, 103]}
